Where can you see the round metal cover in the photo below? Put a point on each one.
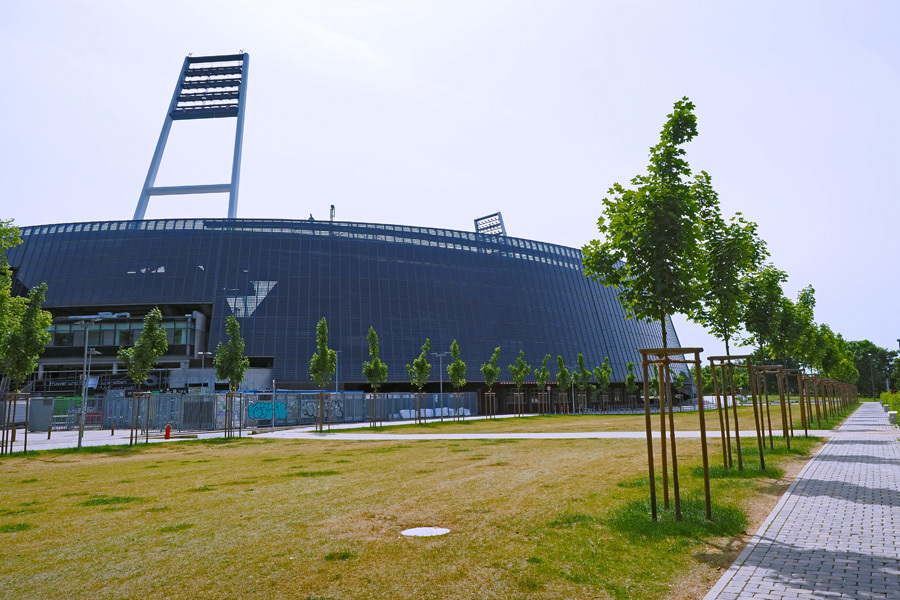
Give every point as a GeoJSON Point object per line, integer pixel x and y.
{"type": "Point", "coordinates": [424, 531]}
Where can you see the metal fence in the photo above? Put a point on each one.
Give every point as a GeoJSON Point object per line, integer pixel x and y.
{"type": "Point", "coordinates": [206, 412]}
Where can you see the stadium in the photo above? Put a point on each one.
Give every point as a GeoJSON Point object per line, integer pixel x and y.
{"type": "Point", "coordinates": [482, 288]}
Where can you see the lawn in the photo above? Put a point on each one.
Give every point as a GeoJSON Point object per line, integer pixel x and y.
{"type": "Point", "coordinates": [256, 518]}
{"type": "Point", "coordinates": [684, 421]}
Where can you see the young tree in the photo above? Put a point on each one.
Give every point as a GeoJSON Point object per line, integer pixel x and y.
{"type": "Point", "coordinates": [520, 370]}
{"type": "Point", "coordinates": [141, 358]}
{"type": "Point", "coordinates": [374, 370]}
{"type": "Point", "coordinates": [229, 361]}
{"type": "Point", "coordinates": [603, 374]}
{"type": "Point", "coordinates": [421, 368]}
{"type": "Point", "coordinates": [456, 370]}
{"type": "Point", "coordinates": [324, 359]}
{"type": "Point", "coordinates": [763, 307]}
{"type": "Point", "coordinates": [563, 377]}
{"type": "Point", "coordinates": [581, 376]}
{"type": "Point", "coordinates": [631, 380]}
{"type": "Point", "coordinates": [542, 374]}
{"type": "Point", "coordinates": [732, 252]}
{"type": "Point", "coordinates": [27, 339]}
{"type": "Point", "coordinates": [11, 307]}
{"type": "Point", "coordinates": [652, 233]}
{"type": "Point", "coordinates": [490, 370]}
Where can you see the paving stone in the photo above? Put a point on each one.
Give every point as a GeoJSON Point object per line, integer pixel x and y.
{"type": "Point", "coordinates": [834, 534]}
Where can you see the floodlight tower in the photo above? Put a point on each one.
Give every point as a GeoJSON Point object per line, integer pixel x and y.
{"type": "Point", "coordinates": [209, 87]}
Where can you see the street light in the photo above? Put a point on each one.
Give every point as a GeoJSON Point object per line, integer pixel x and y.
{"type": "Point", "coordinates": [87, 321]}
{"type": "Point", "coordinates": [441, 356]}
{"type": "Point", "coordinates": [203, 356]}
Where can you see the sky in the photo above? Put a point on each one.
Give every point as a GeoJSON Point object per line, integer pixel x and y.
{"type": "Point", "coordinates": [436, 113]}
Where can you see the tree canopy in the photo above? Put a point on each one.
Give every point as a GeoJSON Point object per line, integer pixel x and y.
{"type": "Point", "coordinates": [603, 374]}
{"type": "Point", "coordinates": [229, 361]}
{"type": "Point", "coordinates": [324, 359]}
{"type": "Point", "coordinates": [520, 370]}
{"type": "Point", "coordinates": [563, 377]}
{"type": "Point", "coordinates": [456, 370]}
{"type": "Point", "coordinates": [490, 370]}
{"type": "Point", "coordinates": [26, 338]}
{"type": "Point", "coordinates": [581, 376]}
{"type": "Point", "coordinates": [651, 249]}
{"type": "Point", "coordinates": [420, 369]}
{"type": "Point", "coordinates": [542, 374]}
{"type": "Point", "coordinates": [141, 358]}
{"type": "Point", "coordinates": [374, 370]}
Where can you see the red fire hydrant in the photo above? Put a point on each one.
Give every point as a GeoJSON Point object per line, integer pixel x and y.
{"type": "Point", "coordinates": [168, 430]}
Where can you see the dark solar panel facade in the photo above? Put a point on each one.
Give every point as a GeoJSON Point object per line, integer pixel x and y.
{"type": "Point", "coordinates": [280, 277]}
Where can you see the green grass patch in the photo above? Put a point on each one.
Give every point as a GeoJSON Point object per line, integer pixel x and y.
{"type": "Point", "coordinates": [569, 520]}
{"type": "Point", "coordinates": [312, 473]}
{"type": "Point", "coordinates": [175, 528]}
{"type": "Point", "coordinates": [103, 500]}
{"type": "Point", "coordinates": [340, 555]}
{"type": "Point", "coordinates": [30, 480]}
{"type": "Point", "coordinates": [635, 519]}
{"type": "Point", "coordinates": [14, 527]}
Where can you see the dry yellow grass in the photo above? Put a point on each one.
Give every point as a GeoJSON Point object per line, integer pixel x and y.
{"type": "Point", "coordinates": [320, 519]}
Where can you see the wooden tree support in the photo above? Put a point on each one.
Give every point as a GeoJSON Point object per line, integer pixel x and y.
{"type": "Point", "coordinates": [137, 400]}
{"type": "Point", "coordinates": [8, 421]}
{"type": "Point", "coordinates": [230, 399]}
{"type": "Point", "coordinates": [662, 358]}
{"type": "Point", "coordinates": [323, 411]}
{"type": "Point", "coordinates": [543, 399]}
{"type": "Point", "coordinates": [376, 402]}
{"type": "Point", "coordinates": [420, 408]}
{"type": "Point", "coordinates": [490, 405]}
{"type": "Point", "coordinates": [724, 366]}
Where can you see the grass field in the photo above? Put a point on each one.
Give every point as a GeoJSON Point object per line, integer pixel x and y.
{"type": "Point", "coordinates": [256, 518]}
{"type": "Point", "coordinates": [684, 421]}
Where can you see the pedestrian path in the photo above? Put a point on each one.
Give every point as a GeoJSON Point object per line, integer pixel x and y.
{"type": "Point", "coordinates": [836, 531]}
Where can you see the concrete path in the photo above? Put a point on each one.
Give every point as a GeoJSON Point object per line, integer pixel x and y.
{"type": "Point", "coordinates": [836, 531]}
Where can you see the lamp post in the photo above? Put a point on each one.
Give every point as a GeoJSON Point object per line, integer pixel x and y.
{"type": "Point", "coordinates": [441, 356]}
{"type": "Point", "coordinates": [337, 373]}
{"type": "Point", "coordinates": [203, 356]}
{"type": "Point", "coordinates": [88, 354]}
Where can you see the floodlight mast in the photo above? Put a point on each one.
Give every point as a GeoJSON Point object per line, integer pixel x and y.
{"type": "Point", "coordinates": [209, 87]}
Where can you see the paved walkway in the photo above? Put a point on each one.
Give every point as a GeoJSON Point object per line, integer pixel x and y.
{"type": "Point", "coordinates": [836, 531]}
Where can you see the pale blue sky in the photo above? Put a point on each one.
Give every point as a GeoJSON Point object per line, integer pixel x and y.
{"type": "Point", "coordinates": [435, 113]}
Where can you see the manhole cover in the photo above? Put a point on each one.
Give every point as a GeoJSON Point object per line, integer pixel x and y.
{"type": "Point", "coordinates": [424, 531]}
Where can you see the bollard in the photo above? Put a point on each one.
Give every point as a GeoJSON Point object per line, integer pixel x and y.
{"type": "Point", "coordinates": [112, 428]}
{"type": "Point", "coordinates": [168, 430]}
{"type": "Point", "coordinates": [49, 429]}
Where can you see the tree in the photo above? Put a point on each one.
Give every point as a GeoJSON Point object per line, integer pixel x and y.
{"type": "Point", "coordinates": [374, 370]}
{"type": "Point", "coordinates": [631, 380]}
{"type": "Point", "coordinates": [581, 375]}
{"type": "Point", "coordinates": [229, 361]}
{"type": "Point", "coordinates": [456, 370]}
{"type": "Point", "coordinates": [563, 377]}
{"type": "Point", "coordinates": [763, 306]}
{"type": "Point", "coordinates": [872, 364]}
{"type": "Point", "coordinates": [11, 308]}
{"type": "Point", "coordinates": [141, 358]}
{"type": "Point", "coordinates": [421, 368]}
{"type": "Point", "coordinates": [652, 233]}
{"type": "Point", "coordinates": [732, 252]}
{"type": "Point", "coordinates": [520, 370]}
{"type": "Point", "coordinates": [603, 374]}
{"type": "Point", "coordinates": [27, 339]}
{"type": "Point", "coordinates": [324, 359]}
{"type": "Point", "coordinates": [490, 370]}
{"type": "Point", "coordinates": [542, 374]}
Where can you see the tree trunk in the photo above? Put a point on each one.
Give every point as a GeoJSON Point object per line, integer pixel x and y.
{"type": "Point", "coordinates": [662, 323]}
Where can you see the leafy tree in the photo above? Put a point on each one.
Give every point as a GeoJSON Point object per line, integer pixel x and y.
{"type": "Point", "coordinates": [421, 368]}
{"type": "Point", "coordinates": [229, 361]}
{"type": "Point", "coordinates": [872, 364]}
{"type": "Point", "coordinates": [603, 374]}
{"type": "Point", "coordinates": [763, 307]}
{"type": "Point", "coordinates": [11, 308]}
{"type": "Point", "coordinates": [732, 252]}
{"type": "Point", "coordinates": [374, 370]}
{"type": "Point", "coordinates": [490, 370]}
{"type": "Point", "coordinates": [28, 338]}
{"type": "Point", "coordinates": [581, 375]}
{"type": "Point", "coordinates": [520, 370]}
{"type": "Point", "coordinates": [652, 234]}
{"type": "Point", "coordinates": [542, 374]}
{"type": "Point", "coordinates": [456, 370]}
{"type": "Point", "coordinates": [563, 377]}
{"type": "Point", "coordinates": [795, 330]}
{"type": "Point", "coordinates": [324, 359]}
{"type": "Point", "coordinates": [631, 380]}
{"type": "Point", "coordinates": [151, 344]}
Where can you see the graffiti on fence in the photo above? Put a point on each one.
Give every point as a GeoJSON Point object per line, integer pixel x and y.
{"type": "Point", "coordinates": [263, 410]}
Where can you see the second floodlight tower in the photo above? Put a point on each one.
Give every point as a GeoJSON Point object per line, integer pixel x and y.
{"type": "Point", "coordinates": [209, 87]}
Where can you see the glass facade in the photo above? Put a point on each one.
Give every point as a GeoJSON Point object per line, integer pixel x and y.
{"type": "Point", "coordinates": [280, 277]}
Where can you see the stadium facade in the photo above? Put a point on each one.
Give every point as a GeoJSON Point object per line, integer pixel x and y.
{"type": "Point", "coordinates": [279, 277]}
